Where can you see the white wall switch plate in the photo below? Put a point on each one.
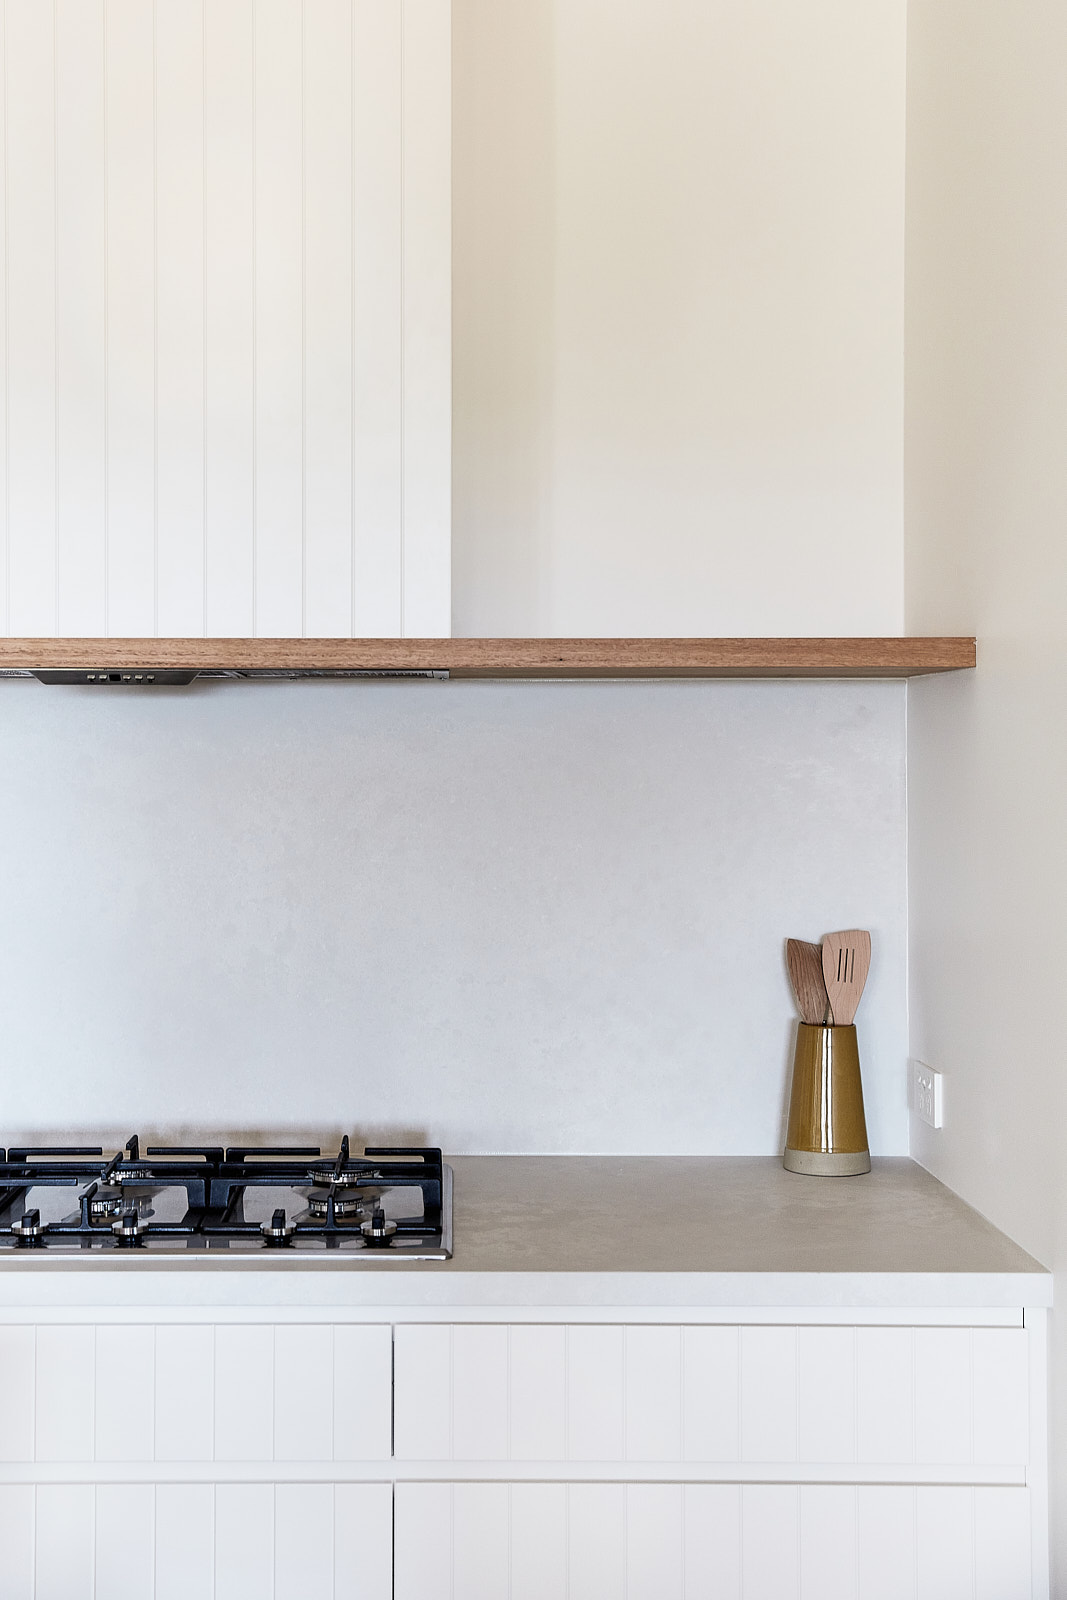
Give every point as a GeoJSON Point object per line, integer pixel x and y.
{"type": "Point", "coordinates": [927, 1094]}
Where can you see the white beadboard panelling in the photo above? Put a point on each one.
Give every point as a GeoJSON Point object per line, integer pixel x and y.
{"type": "Point", "coordinates": [328, 295]}
{"type": "Point", "coordinates": [597, 1541]}
{"type": "Point", "coordinates": [244, 1541]}
{"type": "Point", "coordinates": [770, 1542]}
{"type": "Point", "coordinates": [64, 1542]}
{"type": "Point", "coordinates": [826, 1394]}
{"type": "Point", "coordinates": [244, 1393]}
{"type": "Point", "coordinates": [1001, 1394]}
{"type": "Point", "coordinates": [303, 1393]}
{"type": "Point", "coordinates": [180, 319]}
{"type": "Point", "coordinates": [711, 1366]}
{"type": "Point", "coordinates": [885, 1385]}
{"type": "Point", "coordinates": [480, 1393]}
{"type": "Point", "coordinates": [427, 181]}
{"type": "Point", "coordinates": [712, 1541]}
{"type": "Point", "coordinates": [480, 1536]}
{"type": "Point", "coordinates": [64, 1393]}
{"type": "Point", "coordinates": [885, 1532]}
{"type": "Point", "coordinates": [129, 45]}
{"type": "Point", "coordinates": [1002, 1545]}
{"type": "Point", "coordinates": [768, 1394]}
{"type": "Point", "coordinates": [185, 1540]}
{"type": "Point", "coordinates": [16, 1393]}
{"type": "Point", "coordinates": [654, 1394]}
{"type": "Point", "coordinates": [538, 1541]}
{"type": "Point", "coordinates": [81, 311]}
{"type": "Point", "coordinates": [538, 1398]}
{"type": "Point", "coordinates": [124, 1541]}
{"type": "Point", "coordinates": [125, 1393]}
{"type": "Point", "coordinates": [423, 1542]}
{"type": "Point", "coordinates": [29, 102]}
{"type": "Point", "coordinates": [828, 1554]}
{"type": "Point", "coordinates": [362, 1393]}
{"type": "Point", "coordinates": [654, 1541]}
{"type": "Point", "coordinates": [422, 1393]}
{"type": "Point", "coordinates": [944, 1543]}
{"type": "Point", "coordinates": [303, 1540]}
{"type": "Point", "coordinates": [185, 1393]}
{"type": "Point", "coordinates": [17, 1512]}
{"type": "Point", "coordinates": [943, 1394]}
{"type": "Point", "coordinates": [377, 319]}
{"type": "Point", "coordinates": [595, 1393]}
{"type": "Point", "coordinates": [363, 1541]}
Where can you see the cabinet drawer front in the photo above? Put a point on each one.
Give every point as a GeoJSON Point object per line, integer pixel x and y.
{"type": "Point", "coordinates": [557, 1541]}
{"type": "Point", "coordinates": [753, 1395]}
{"type": "Point", "coordinates": [196, 1393]}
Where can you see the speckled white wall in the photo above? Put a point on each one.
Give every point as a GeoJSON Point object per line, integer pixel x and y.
{"type": "Point", "coordinates": [505, 917]}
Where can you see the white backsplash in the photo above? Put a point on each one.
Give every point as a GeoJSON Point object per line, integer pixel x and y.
{"type": "Point", "coordinates": [501, 917]}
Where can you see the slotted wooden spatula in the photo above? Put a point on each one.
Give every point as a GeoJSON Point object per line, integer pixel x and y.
{"type": "Point", "coordinates": [846, 961]}
{"type": "Point", "coordinates": [805, 974]}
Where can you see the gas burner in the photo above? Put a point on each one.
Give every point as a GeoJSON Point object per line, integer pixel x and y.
{"type": "Point", "coordinates": [106, 1203]}
{"type": "Point", "coordinates": [378, 1229]}
{"type": "Point", "coordinates": [129, 1227]}
{"type": "Point", "coordinates": [353, 1206]}
{"type": "Point", "coordinates": [347, 1178]}
{"type": "Point", "coordinates": [134, 1175]}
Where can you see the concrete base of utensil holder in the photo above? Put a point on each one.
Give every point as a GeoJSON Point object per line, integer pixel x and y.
{"type": "Point", "coordinates": [827, 1135]}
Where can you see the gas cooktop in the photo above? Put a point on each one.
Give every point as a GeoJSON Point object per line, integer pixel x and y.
{"type": "Point", "coordinates": [386, 1205]}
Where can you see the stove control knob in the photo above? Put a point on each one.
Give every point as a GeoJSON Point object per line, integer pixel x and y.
{"type": "Point", "coordinates": [28, 1228]}
{"type": "Point", "coordinates": [377, 1229]}
{"type": "Point", "coordinates": [277, 1230]}
{"type": "Point", "coordinates": [129, 1226]}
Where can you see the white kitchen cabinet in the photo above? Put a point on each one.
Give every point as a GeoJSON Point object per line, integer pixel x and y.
{"type": "Point", "coordinates": [228, 280]}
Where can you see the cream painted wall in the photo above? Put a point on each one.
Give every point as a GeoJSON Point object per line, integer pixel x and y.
{"type": "Point", "coordinates": [986, 519]}
{"type": "Point", "coordinates": [678, 265]}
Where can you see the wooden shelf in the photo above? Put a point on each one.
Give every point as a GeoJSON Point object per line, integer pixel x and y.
{"type": "Point", "coordinates": [504, 658]}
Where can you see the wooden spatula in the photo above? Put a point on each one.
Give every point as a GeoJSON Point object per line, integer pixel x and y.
{"type": "Point", "coordinates": [805, 974]}
{"type": "Point", "coordinates": [846, 961]}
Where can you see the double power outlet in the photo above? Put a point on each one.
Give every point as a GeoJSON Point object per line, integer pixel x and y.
{"type": "Point", "coordinates": [927, 1094]}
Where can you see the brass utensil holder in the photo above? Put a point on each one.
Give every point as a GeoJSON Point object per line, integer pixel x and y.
{"type": "Point", "coordinates": [827, 1134]}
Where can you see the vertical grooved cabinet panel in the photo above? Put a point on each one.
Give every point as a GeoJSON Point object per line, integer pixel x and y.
{"type": "Point", "coordinates": [427, 279]}
{"type": "Point", "coordinates": [826, 1394]}
{"type": "Point", "coordinates": [653, 1394]}
{"type": "Point", "coordinates": [480, 1538]}
{"type": "Point", "coordinates": [125, 1541]}
{"type": "Point", "coordinates": [422, 1393]}
{"type": "Point", "coordinates": [480, 1392]}
{"type": "Point", "coordinates": [768, 1394]}
{"type": "Point", "coordinates": [596, 1384]}
{"type": "Point", "coordinates": [597, 1541]}
{"type": "Point", "coordinates": [885, 1536]}
{"type": "Point", "coordinates": [1002, 1544]}
{"type": "Point", "coordinates": [185, 1540]}
{"type": "Point", "coordinates": [712, 1514]}
{"type": "Point", "coordinates": [244, 1393]}
{"type": "Point", "coordinates": [185, 1393]}
{"type": "Point", "coordinates": [362, 1393]}
{"type": "Point", "coordinates": [17, 1508]}
{"type": "Point", "coordinates": [944, 1543]}
{"type": "Point", "coordinates": [16, 1392]}
{"type": "Point", "coordinates": [770, 1515]}
{"type": "Point", "coordinates": [328, 295]}
{"type": "Point", "coordinates": [828, 1542]}
{"type": "Point", "coordinates": [363, 1541]}
{"type": "Point", "coordinates": [64, 1542]}
{"type": "Point", "coordinates": [538, 1541]}
{"type": "Point", "coordinates": [81, 603]}
{"type": "Point", "coordinates": [712, 1375]}
{"type": "Point", "coordinates": [885, 1394]}
{"type": "Point", "coordinates": [129, 57]}
{"type": "Point", "coordinates": [303, 1393]}
{"type": "Point", "coordinates": [180, 319]}
{"type": "Point", "coordinates": [538, 1392]}
{"type": "Point", "coordinates": [377, 320]}
{"type": "Point", "coordinates": [303, 1540]}
{"type": "Point", "coordinates": [229, 563]}
{"type": "Point", "coordinates": [244, 1541]}
{"type": "Point", "coordinates": [654, 1541]}
{"type": "Point", "coordinates": [278, 241]}
{"type": "Point", "coordinates": [423, 1542]}
{"type": "Point", "coordinates": [64, 1393]}
{"type": "Point", "coordinates": [943, 1395]}
{"type": "Point", "coordinates": [1001, 1395]}
{"type": "Point", "coordinates": [125, 1393]}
